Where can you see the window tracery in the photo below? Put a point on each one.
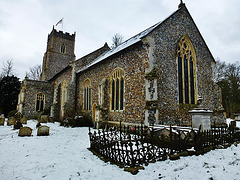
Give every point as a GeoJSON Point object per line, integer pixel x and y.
{"type": "Point", "coordinates": [87, 95]}
{"type": "Point", "coordinates": [186, 71]}
{"type": "Point", "coordinates": [117, 89]}
{"type": "Point", "coordinates": [40, 102]}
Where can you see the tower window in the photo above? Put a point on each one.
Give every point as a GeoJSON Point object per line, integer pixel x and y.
{"type": "Point", "coordinates": [40, 102]}
{"type": "Point", "coordinates": [117, 89]}
{"type": "Point", "coordinates": [63, 49]}
{"type": "Point", "coordinates": [186, 71]}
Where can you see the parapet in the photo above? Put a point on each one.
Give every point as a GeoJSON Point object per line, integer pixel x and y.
{"type": "Point", "coordinates": [61, 34]}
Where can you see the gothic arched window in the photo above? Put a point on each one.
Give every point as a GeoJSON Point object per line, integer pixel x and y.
{"type": "Point", "coordinates": [87, 95]}
{"type": "Point", "coordinates": [40, 102]}
{"type": "Point", "coordinates": [117, 89]}
{"type": "Point", "coordinates": [186, 71]}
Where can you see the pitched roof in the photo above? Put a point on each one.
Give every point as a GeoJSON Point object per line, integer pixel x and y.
{"type": "Point", "coordinates": [131, 41]}
{"type": "Point", "coordinates": [121, 47]}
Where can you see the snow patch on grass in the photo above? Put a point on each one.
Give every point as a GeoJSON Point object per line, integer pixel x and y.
{"type": "Point", "coordinates": [64, 155]}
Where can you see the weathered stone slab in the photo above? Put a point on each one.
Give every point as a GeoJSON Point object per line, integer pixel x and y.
{"type": "Point", "coordinates": [2, 120]}
{"type": "Point", "coordinates": [201, 117]}
{"type": "Point", "coordinates": [25, 131]}
{"type": "Point", "coordinates": [51, 119]}
{"type": "Point", "coordinates": [43, 131]}
{"type": "Point", "coordinates": [11, 121]}
{"type": "Point", "coordinates": [43, 119]}
{"type": "Point", "coordinates": [23, 120]}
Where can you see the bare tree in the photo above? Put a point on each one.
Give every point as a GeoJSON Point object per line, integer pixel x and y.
{"type": "Point", "coordinates": [116, 40]}
{"type": "Point", "coordinates": [227, 76]}
{"type": "Point", "coordinates": [219, 70]}
{"type": "Point", "coordinates": [34, 72]}
{"type": "Point", "coordinates": [7, 69]}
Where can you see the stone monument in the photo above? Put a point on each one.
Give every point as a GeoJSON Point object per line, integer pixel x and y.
{"type": "Point", "coordinates": [201, 116]}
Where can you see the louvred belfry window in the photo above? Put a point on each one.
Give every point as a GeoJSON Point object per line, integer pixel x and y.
{"type": "Point", "coordinates": [186, 71]}
{"type": "Point", "coordinates": [117, 89]}
{"type": "Point", "coordinates": [63, 49]}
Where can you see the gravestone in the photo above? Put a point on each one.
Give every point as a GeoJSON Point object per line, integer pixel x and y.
{"type": "Point", "coordinates": [25, 131]}
{"type": "Point", "coordinates": [43, 131]}
{"type": "Point", "coordinates": [11, 121]}
{"type": "Point", "coordinates": [23, 120]}
{"type": "Point", "coordinates": [43, 119]}
{"type": "Point", "coordinates": [2, 120]}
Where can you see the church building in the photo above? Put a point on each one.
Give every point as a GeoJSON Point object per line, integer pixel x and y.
{"type": "Point", "coordinates": [155, 77]}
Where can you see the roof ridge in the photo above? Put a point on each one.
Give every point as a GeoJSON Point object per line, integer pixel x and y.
{"type": "Point", "coordinates": [134, 39]}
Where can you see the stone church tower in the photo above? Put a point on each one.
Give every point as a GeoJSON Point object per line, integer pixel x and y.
{"type": "Point", "coordinates": [59, 53]}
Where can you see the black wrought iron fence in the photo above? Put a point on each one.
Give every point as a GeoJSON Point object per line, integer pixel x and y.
{"type": "Point", "coordinates": [136, 145]}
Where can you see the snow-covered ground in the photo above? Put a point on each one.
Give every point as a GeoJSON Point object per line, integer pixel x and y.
{"type": "Point", "coordinates": [64, 155]}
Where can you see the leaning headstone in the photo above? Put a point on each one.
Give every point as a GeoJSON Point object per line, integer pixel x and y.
{"type": "Point", "coordinates": [25, 131]}
{"type": "Point", "coordinates": [23, 120]}
{"type": "Point", "coordinates": [11, 121]}
{"type": "Point", "coordinates": [43, 131]}
{"type": "Point", "coordinates": [2, 120]}
{"type": "Point", "coordinates": [43, 119]}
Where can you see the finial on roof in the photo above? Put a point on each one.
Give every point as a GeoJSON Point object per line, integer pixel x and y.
{"type": "Point", "coordinates": [181, 4]}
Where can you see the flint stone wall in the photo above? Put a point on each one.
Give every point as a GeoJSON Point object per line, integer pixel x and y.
{"type": "Point", "coordinates": [32, 88]}
{"type": "Point", "coordinates": [58, 80]}
{"type": "Point", "coordinates": [166, 38]}
{"type": "Point", "coordinates": [54, 61]}
{"type": "Point", "coordinates": [133, 61]}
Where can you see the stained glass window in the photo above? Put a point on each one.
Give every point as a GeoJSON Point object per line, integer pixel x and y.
{"type": "Point", "coordinates": [117, 89]}
{"type": "Point", "coordinates": [186, 71]}
{"type": "Point", "coordinates": [87, 96]}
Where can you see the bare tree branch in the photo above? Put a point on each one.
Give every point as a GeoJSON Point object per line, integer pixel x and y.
{"type": "Point", "coordinates": [7, 69]}
{"type": "Point", "coordinates": [116, 40]}
{"type": "Point", "coordinates": [34, 72]}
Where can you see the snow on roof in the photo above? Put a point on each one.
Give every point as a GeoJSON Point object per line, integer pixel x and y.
{"type": "Point", "coordinates": [119, 48]}
{"type": "Point", "coordinates": [124, 45]}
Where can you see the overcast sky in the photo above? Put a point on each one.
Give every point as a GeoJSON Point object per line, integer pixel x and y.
{"type": "Point", "coordinates": [25, 24]}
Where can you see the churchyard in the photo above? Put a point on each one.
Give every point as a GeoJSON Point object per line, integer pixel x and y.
{"type": "Point", "coordinates": [64, 154]}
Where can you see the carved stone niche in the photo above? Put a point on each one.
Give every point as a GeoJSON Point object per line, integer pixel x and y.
{"type": "Point", "coordinates": [151, 112]}
{"type": "Point", "coordinates": [151, 117]}
{"type": "Point", "coordinates": [151, 85]}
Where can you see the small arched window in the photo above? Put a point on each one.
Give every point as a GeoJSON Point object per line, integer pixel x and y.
{"type": "Point", "coordinates": [87, 95]}
{"type": "Point", "coordinates": [63, 49]}
{"type": "Point", "coordinates": [117, 89]}
{"type": "Point", "coordinates": [40, 102]}
{"type": "Point", "coordinates": [186, 71]}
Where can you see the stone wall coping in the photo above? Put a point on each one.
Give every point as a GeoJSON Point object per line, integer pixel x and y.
{"type": "Point", "coordinates": [200, 111]}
